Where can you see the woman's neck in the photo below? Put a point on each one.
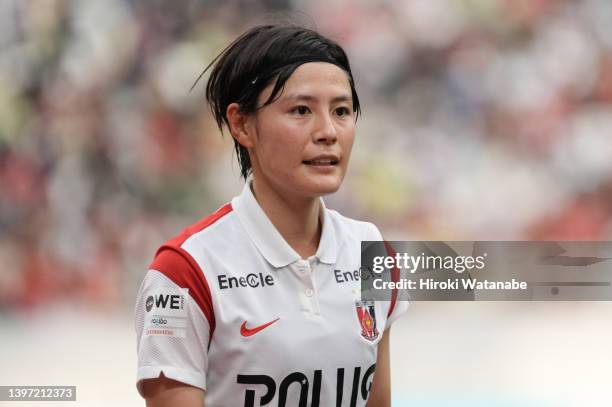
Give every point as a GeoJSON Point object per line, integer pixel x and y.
{"type": "Point", "coordinates": [296, 219]}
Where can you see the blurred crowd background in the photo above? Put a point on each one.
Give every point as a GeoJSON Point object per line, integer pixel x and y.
{"type": "Point", "coordinates": [483, 119]}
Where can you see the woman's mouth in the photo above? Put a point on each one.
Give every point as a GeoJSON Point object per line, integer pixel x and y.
{"type": "Point", "coordinates": [321, 161]}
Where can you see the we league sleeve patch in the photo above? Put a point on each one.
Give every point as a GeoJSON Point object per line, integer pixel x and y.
{"type": "Point", "coordinates": [166, 312]}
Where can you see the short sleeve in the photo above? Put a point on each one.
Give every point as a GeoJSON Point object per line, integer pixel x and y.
{"type": "Point", "coordinates": [399, 303]}
{"type": "Point", "coordinates": [173, 331]}
{"type": "Point", "coordinates": [401, 306]}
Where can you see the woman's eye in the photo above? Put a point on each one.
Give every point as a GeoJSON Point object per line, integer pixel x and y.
{"type": "Point", "coordinates": [301, 110]}
{"type": "Point", "coordinates": [343, 111]}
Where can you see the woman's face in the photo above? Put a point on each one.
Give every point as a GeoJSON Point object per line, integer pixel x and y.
{"type": "Point", "coordinates": [303, 140]}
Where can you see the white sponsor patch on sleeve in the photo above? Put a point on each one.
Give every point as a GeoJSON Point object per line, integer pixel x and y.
{"type": "Point", "coordinates": [169, 301]}
{"type": "Point", "coordinates": [163, 325]}
{"type": "Point", "coordinates": [165, 331]}
{"type": "Point", "coordinates": [162, 321]}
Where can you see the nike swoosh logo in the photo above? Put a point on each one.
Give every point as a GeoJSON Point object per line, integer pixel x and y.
{"type": "Point", "coordinates": [244, 331]}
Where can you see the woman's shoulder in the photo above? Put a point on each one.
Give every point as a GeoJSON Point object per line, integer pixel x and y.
{"type": "Point", "coordinates": [181, 255]}
{"type": "Point", "coordinates": [209, 227]}
{"type": "Point", "coordinates": [361, 229]}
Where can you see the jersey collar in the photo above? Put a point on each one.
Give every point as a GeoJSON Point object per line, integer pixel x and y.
{"type": "Point", "coordinates": [268, 239]}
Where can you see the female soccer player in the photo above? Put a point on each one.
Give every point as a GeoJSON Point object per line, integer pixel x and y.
{"type": "Point", "coordinates": [259, 303]}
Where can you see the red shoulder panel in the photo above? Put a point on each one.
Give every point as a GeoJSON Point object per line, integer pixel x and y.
{"type": "Point", "coordinates": [199, 226]}
{"type": "Point", "coordinates": [180, 267]}
{"type": "Point", "coordinates": [395, 275]}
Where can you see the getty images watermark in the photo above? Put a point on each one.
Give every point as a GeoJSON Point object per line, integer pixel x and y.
{"type": "Point", "coordinates": [489, 271]}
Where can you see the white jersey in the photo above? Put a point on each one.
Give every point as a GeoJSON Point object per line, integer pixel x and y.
{"type": "Point", "coordinates": [229, 307]}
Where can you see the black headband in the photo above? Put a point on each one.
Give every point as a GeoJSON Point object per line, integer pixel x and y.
{"type": "Point", "coordinates": [272, 70]}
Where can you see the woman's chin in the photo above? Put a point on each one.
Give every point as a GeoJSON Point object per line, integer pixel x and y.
{"type": "Point", "coordinates": [322, 186]}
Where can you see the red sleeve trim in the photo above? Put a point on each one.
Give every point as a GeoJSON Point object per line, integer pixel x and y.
{"type": "Point", "coordinates": [178, 265]}
{"type": "Point", "coordinates": [395, 275]}
{"type": "Point", "coordinates": [199, 226]}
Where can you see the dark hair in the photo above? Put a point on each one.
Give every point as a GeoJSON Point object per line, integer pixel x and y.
{"type": "Point", "coordinates": [258, 57]}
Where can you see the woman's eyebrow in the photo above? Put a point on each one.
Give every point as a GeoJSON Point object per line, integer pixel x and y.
{"type": "Point", "coordinates": [306, 97]}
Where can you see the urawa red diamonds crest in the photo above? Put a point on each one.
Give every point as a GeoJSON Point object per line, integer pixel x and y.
{"type": "Point", "coordinates": [366, 314]}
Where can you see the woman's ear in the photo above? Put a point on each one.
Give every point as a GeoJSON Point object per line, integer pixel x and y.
{"type": "Point", "coordinates": [240, 125]}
